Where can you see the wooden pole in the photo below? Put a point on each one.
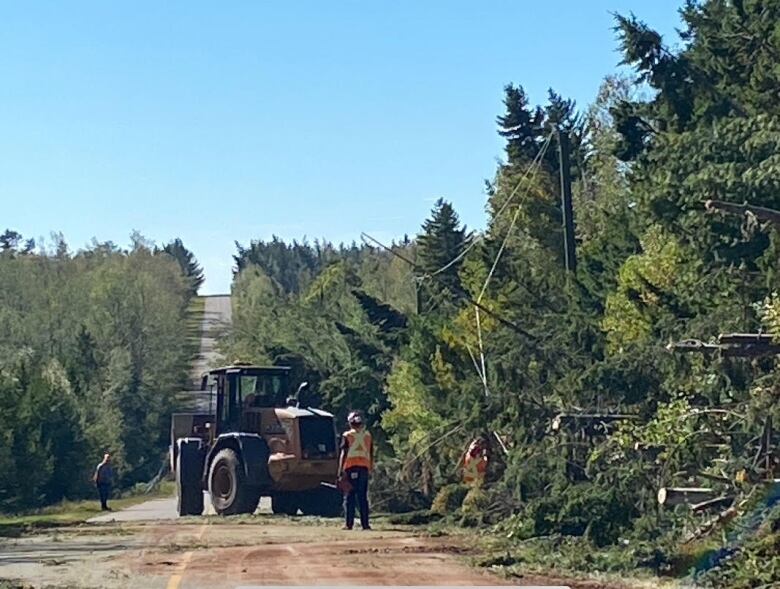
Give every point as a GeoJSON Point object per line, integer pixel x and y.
{"type": "Point", "coordinates": [566, 202]}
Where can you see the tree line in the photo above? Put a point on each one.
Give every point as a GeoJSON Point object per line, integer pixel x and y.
{"type": "Point", "coordinates": [399, 336]}
{"type": "Point", "coordinates": [93, 349]}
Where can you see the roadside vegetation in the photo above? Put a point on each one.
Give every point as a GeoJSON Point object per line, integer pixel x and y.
{"type": "Point", "coordinates": [93, 348]}
{"type": "Point", "coordinates": [405, 342]}
{"type": "Point", "coordinates": [72, 512]}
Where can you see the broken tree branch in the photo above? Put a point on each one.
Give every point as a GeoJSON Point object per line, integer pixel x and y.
{"type": "Point", "coordinates": [595, 423]}
{"type": "Point", "coordinates": [722, 501]}
{"type": "Point", "coordinates": [692, 345]}
{"type": "Point", "coordinates": [732, 345]}
{"type": "Point", "coordinates": [760, 213]}
{"type": "Point", "coordinates": [722, 518]}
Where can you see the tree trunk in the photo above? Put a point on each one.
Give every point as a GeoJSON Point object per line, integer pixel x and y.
{"type": "Point", "coordinates": [670, 496]}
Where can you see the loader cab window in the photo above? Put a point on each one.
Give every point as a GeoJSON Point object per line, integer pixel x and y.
{"type": "Point", "coordinates": [264, 390]}
{"type": "Point", "coordinates": [228, 403]}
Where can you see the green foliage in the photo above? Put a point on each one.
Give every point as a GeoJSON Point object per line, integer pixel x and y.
{"type": "Point", "coordinates": [323, 310]}
{"type": "Point", "coordinates": [93, 349]}
{"type": "Point", "coordinates": [654, 268]}
{"type": "Point", "coordinates": [449, 499]}
{"type": "Point", "coordinates": [187, 262]}
{"type": "Point", "coordinates": [476, 501]}
{"type": "Point", "coordinates": [439, 246]}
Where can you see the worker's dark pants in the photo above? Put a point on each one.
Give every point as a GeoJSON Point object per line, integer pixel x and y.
{"type": "Point", "coordinates": [104, 490]}
{"type": "Point", "coordinates": [358, 478]}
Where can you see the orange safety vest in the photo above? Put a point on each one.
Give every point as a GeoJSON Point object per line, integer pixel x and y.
{"type": "Point", "coordinates": [474, 468]}
{"type": "Point", "coordinates": [358, 449]}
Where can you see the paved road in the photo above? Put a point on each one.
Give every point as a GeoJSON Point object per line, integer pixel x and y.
{"type": "Point", "coordinates": [216, 320]}
{"type": "Point", "coordinates": [217, 314]}
{"type": "Point", "coordinates": [161, 510]}
{"type": "Point", "coordinates": [227, 553]}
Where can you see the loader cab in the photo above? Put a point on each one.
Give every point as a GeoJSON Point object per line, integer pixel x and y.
{"type": "Point", "coordinates": [238, 388]}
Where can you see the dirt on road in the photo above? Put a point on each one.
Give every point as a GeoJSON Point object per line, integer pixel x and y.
{"type": "Point", "coordinates": [262, 550]}
{"type": "Point", "coordinates": [194, 553]}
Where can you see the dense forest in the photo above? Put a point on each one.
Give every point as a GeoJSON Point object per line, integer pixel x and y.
{"type": "Point", "coordinates": [457, 333]}
{"type": "Point", "coordinates": [93, 349]}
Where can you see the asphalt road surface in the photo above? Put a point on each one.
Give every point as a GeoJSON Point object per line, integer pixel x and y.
{"type": "Point", "coordinates": [162, 510]}
{"type": "Point", "coordinates": [217, 316]}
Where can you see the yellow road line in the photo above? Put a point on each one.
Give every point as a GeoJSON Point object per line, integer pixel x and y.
{"type": "Point", "coordinates": [175, 580]}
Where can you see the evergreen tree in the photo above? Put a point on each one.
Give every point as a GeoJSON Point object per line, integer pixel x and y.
{"type": "Point", "coordinates": [187, 262]}
{"type": "Point", "coordinates": [9, 240]}
{"type": "Point", "coordinates": [521, 125]}
{"type": "Point", "coordinates": [439, 247]}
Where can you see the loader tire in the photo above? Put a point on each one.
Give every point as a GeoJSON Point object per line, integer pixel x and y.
{"type": "Point", "coordinates": [188, 475]}
{"type": "Point", "coordinates": [228, 487]}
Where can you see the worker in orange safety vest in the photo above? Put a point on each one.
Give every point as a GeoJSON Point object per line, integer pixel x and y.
{"type": "Point", "coordinates": [355, 464]}
{"type": "Point", "coordinates": [475, 463]}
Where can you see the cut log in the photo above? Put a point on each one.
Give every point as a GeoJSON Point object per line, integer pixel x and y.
{"type": "Point", "coordinates": [671, 496]}
{"type": "Point", "coordinates": [747, 338]}
{"type": "Point", "coordinates": [750, 351]}
{"type": "Point", "coordinates": [731, 345]}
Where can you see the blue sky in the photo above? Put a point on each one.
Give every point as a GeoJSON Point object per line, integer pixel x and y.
{"type": "Point", "coordinates": [217, 122]}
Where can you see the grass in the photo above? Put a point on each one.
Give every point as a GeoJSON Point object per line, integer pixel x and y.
{"type": "Point", "coordinates": [68, 513]}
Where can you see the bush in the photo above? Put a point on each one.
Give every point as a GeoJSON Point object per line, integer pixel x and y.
{"type": "Point", "coordinates": [753, 562]}
{"type": "Point", "coordinates": [584, 509]}
{"type": "Point", "coordinates": [449, 498]}
{"type": "Point", "coordinates": [476, 501]}
{"type": "Point", "coordinates": [389, 494]}
{"type": "Point", "coordinates": [414, 518]}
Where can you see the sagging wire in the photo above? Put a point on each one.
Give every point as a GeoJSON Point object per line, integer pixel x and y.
{"type": "Point", "coordinates": [535, 164]}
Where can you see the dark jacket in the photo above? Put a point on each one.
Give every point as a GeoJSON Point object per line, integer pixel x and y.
{"type": "Point", "coordinates": [104, 474]}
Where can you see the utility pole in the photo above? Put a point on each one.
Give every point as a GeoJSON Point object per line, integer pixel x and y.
{"type": "Point", "coordinates": [566, 204]}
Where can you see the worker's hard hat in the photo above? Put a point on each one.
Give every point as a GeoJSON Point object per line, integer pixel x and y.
{"type": "Point", "coordinates": [355, 417]}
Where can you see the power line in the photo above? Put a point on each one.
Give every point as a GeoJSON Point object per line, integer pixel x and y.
{"type": "Point", "coordinates": [458, 293]}
{"type": "Point", "coordinates": [533, 166]}
{"type": "Point", "coordinates": [476, 239]}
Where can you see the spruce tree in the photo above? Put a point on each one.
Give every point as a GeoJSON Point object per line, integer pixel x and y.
{"type": "Point", "coordinates": [521, 125]}
{"type": "Point", "coordinates": [187, 262]}
{"type": "Point", "coordinates": [439, 245]}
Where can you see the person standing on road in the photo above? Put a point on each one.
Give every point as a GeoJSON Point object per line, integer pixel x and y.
{"type": "Point", "coordinates": [104, 478]}
{"type": "Point", "coordinates": [355, 464]}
